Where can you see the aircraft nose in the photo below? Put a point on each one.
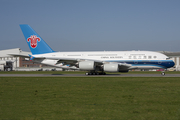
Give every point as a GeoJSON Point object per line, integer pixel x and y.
{"type": "Point", "coordinates": [172, 63]}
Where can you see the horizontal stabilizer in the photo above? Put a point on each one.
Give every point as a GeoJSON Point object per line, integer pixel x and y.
{"type": "Point", "coordinates": [19, 55]}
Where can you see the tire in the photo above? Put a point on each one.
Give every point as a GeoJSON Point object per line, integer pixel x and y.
{"type": "Point", "coordinates": [163, 73]}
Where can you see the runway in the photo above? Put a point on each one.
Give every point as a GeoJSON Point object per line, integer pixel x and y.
{"type": "Point", "coordinates": [81, 75]}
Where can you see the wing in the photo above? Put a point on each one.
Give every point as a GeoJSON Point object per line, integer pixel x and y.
{"type": "Point", "coordinates": [71, 61]}
{"type": "Point", "coordinates": [19, 55]}
{"type": "Point", "coordinates": [74, 62]}
{"type": "Point", "coordinates": [123, 67]}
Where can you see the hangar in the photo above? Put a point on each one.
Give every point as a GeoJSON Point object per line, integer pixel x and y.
{"type": "Point", "coordinates": [9, 62]}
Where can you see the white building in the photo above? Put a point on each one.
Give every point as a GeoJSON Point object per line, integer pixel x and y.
{"type": "Point", "coordinates": [8, 62]}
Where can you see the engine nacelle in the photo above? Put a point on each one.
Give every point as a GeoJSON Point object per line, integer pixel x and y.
{"type": "Point", "coordinates": [111, 67]}
{"type": "Point", "coordinates": [86, 65]}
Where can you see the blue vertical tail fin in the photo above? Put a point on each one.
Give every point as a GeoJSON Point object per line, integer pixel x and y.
{"type": "Point", "coordinates": [36, 44]}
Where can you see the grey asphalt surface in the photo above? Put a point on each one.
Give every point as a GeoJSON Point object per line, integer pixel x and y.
{"type": "Point", "coordinates": [81, 75]}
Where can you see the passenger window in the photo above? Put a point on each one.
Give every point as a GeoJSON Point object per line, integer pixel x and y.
{"type": "Point", "coordinates": [144, 57]}
{"type": "Point", "coordinates": [149, 57]}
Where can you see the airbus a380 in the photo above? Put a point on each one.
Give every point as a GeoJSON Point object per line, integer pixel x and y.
{"type": "Point", "coordinates": [94, 62]}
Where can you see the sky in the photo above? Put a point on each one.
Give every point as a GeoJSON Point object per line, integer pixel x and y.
{"type": "Point", "coordinates": [93, 25]}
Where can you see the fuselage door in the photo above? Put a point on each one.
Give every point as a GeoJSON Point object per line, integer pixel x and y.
{"type": "Point", "coordinates": [135, 62]}
{"type": "Point", "coordinates": [159, 62]}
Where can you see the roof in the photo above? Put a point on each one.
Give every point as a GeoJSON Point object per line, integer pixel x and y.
{"type": "Point", "coordinates": [8, 52]}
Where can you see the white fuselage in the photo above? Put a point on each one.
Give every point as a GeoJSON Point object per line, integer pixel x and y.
{"type": "Point", "coordinates": [138, 59]}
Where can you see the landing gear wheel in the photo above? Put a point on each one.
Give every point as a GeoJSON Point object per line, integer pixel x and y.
{"type": "Point", "coordinates": [163, 73]}
{"type": "Point", "coordinates": [95, 73]}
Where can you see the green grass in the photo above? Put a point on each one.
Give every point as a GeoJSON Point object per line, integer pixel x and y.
{"type": "Point", "coordinates": [83, 72]}
{"type": "Point", "coordinates": [42, 72]}
{"type": "Point", "coordinates": [84, 98]}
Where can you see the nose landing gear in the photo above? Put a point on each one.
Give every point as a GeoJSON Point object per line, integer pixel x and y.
{"type": "Point", "coordinates": [163, 73]}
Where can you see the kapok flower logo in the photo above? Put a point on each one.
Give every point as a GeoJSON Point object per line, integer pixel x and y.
{"type": "Point", "coordinates": [33, 40]}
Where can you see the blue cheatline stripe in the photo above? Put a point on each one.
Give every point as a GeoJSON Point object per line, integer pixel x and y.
{"type": "Point", "coordinates": [159, 63]}
{"type": "Point", "coordinates": [149, 65]}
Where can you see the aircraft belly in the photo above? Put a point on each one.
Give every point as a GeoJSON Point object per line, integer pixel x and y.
{"type": "Point", "coordinates": [145, 67]}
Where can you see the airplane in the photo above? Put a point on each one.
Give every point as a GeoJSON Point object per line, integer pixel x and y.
{"type": "Point", "coordinates": [96, 62]}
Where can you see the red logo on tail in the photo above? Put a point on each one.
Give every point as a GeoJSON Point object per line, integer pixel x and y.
{"type": "Point", "coordinates": [33, 41]}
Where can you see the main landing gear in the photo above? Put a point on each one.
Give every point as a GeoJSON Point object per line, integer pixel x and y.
{"type": "Point", "coordinates": [95, 73]}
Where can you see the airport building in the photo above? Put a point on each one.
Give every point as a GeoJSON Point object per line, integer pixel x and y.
{"type": "Point", "coordinates": [9, 60]}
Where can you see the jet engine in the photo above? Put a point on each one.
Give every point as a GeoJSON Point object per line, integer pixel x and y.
{"type": "Point", "coordinates": [86, 65]}
{"type": "Point", "coordinates": [111, 67]}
